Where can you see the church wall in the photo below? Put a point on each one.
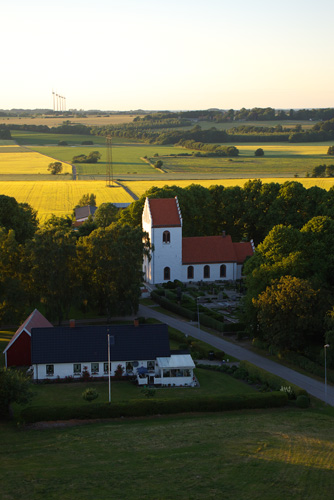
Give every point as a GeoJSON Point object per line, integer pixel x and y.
{"type": "Point", "coordinates": [167, 254]}
{"type": "Point", "coordinates": [231, 272]}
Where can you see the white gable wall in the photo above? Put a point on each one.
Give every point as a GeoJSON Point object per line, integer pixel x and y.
{"type": "Point", "coordinates": [167, 254]}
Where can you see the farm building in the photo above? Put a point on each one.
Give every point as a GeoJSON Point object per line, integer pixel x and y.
{"type": "Point", "coordinates": [18, 350]}
{"type": "Point", "coordinates": [142, 351]}
{"type": "Point", "coordinates": [207, 258]}
{"type": "Point", "coordinates": [82, 214]}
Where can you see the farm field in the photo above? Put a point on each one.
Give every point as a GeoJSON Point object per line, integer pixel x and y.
{"type": "Point", "coordinates": [54, 121]}
{"type": "Point", "coordinates": [271, 454]}
{"type": "Point", "coordinates": [25, 138]}
{"type": "Point", "coordinates": [126, 159]}
{"type": "Point", "coordinates": [59, 198]}
{"type": "Point", "coordinates": [279, 160]}
{"type": "Point", "coordinates": [306, 124]}
{"type": "Point", "coordinates": [16, 161]}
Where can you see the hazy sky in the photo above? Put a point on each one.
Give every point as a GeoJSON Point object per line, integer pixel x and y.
{"type": "Point", "coordinates": [167, 54]}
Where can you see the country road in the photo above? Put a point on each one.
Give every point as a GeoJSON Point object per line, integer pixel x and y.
{"type": "Point", "coordinates": [313, 387]}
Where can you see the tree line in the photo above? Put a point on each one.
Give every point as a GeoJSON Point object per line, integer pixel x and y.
{"type": "Point", "coordinates": [59, 268]}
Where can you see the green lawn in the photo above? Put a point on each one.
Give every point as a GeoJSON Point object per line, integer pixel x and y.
{"type": "Point", "coordinates": [269, 455]}
{"type": "Point", "coordinates": [211, 384]}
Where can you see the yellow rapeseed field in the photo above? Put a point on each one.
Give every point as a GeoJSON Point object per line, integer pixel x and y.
{"type": "Point", "coordinates": [27, 163]}
{"type": "Point", "coordinates": [140, 187]}
{"type": "Point", "coordinates": [59, 197]}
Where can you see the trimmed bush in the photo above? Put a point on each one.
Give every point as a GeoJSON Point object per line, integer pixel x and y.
{"type": "Point", "coordinates": [90, 394]}
{"type": "Point", "coordinates": [147, 407]}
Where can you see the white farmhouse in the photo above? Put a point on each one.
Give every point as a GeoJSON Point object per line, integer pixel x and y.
{"type": "Point", "coordinates": [207, 258]}
{"type": "Point", "coordinates": [142, 351]}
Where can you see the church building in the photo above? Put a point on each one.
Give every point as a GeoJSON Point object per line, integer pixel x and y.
{"type": "Point", "coordinates": [200, 258]}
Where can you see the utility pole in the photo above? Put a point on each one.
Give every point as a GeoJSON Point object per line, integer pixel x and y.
{"type": "Point", "coordinates": [109, 167]}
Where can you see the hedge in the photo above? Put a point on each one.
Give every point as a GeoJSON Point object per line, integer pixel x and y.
{"type": "Point", "coordinates": [308, 365]}
{"type": "Point", "coordinates": [148, 407]}
{"type": "Point", "coordinates": [204, 319]}
{"type": "Point", "coordinates": [273, 381]}
{"type": "Point", "coordinates": [171, 306]}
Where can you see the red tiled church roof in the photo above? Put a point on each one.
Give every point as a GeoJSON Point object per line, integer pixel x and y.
{"type": "Point", "coordinates": [165, 212]}
{"type": "Point", "coordinates": [214, 249]}
{"type": "Point", "coordinates": [243, 249]}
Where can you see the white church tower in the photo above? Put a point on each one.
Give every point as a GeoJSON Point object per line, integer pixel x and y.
{"type": "Point", "coordinates": [162, 221]}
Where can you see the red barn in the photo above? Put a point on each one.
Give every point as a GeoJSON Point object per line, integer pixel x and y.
{"type": "Point", "coordinates": [18, 351]}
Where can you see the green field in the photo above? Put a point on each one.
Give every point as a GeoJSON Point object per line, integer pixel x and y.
{"type": "Point", "coordinates": [306, 124]}
{"type": "Point", "coordinates": [269, 455]}
{"type": "Point", "coordinates": [279, 160]}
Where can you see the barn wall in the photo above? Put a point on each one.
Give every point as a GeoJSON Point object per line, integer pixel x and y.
{"type": "Point", "coordinates": [19, 353]}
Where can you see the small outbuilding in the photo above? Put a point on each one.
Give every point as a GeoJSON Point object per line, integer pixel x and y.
{"type": "Point", "coordinates": [18, 350]}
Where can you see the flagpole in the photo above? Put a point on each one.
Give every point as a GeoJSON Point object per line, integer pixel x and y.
{"type": "Point", "coordinates": [109, 368]}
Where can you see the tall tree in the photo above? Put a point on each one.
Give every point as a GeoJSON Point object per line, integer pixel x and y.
{"type": "Point", "coordinates": [18, 216]}
{"type": "Point", "coordinates": [287, 312]}
{"type": "Point", "coordinates": [13, 296]}
{"type": "Point", "coordinates": [110, 267]}
{"type": "Point", "coordinates": [52, 257]}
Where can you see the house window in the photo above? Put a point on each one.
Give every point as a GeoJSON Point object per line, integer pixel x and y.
{"type": "Point", "coordinates": [186, 373]}
{"type": "Point", "coordinates": [166, 273]}
{"type": "Point", "coordinates": [223, 271]}
{"type": "Point", "coordinates": [206, 272]}
{"type": "Point", "coordinates": [129, 367]}
{"type": "Point", "coordinates": [151, 365]}
{"type": "Point", "coordinates": [77, 369]}
{"type": "Point", "coordinates": [50, 369]}
{"type": "Point", "coordinates": [166, 237]}
{"type": "Point", "coordinates": [190, 272]}
{"type": "Point", "coordinates": [105, 367]}
{"type": "Point", "coordinates": [94, 368]}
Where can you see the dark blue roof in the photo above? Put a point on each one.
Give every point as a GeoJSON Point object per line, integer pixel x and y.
{"type": "Point", "coordinates": [90, 343]}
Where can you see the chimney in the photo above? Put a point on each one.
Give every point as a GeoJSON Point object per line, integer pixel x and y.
{"type": "Point", "coordinates": [72, 323]}
{"type": "Point", "coordinates": [136, 322]}
{"type": "Point", "coordinates": [223, 234]}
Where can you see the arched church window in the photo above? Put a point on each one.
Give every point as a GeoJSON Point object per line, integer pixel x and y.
{"type": "Point", "coordinates": [166, 237]}
{"type": "Point", "coordinates": [223, 271]}
{"type": "Point", "coordinates": [190, 274]}
{"type": "Point", "coordinates": [206, 272]}
{"type": "Point", "coordinates": [167, 274]}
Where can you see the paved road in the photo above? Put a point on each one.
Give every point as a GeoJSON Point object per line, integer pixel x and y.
{"type": "Point", "coordinates": [312, 386]}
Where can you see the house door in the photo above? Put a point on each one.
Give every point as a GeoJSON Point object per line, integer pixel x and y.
{"type": "Point", "coordinates": [151, 379]}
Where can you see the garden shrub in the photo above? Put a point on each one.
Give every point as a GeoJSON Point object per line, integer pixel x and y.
{"type": "Point", "coordinates": [302, 401]}
{"type": "Point", "coordinates": [273, 381]}
{"type": "Point", "coordinates": [90, 394]}
{"type": "Point", "coordinates": [240, 373]}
